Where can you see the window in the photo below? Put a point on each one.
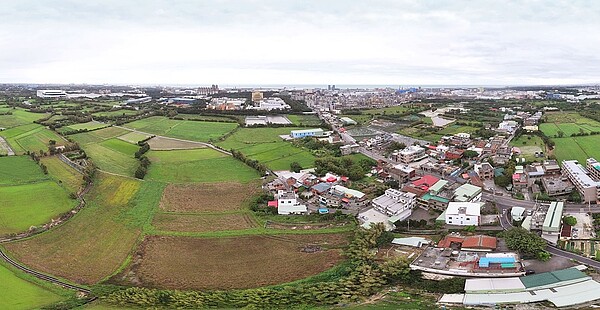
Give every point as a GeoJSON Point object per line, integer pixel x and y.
{"type": "Point", "coordinates": [449, 217]}
{"type": "Point", "coordinates": [468, 219]}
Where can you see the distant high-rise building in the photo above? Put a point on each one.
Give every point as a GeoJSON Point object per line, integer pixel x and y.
{"type": "Point", "coordinates": [213, 89]}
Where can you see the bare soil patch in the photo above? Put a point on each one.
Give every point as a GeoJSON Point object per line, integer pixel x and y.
{"type": "Point", "coordinates": [202, 222]}
{"type": "Point", "coordinates": [230, 263]}
{"type": "Point", "coordinates": [164, 144]}
{"type": "Point", "coordinates": [207, 197]}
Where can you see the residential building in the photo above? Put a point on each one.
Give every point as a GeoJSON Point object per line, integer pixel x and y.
{"type": "Point", "coordinates": [410, 154]}
{"type": "Point", "coordinates": [517, 213]}
{"type": "Point", "coordinates": [395, 203]}
{"type": "Point", "coordinates": [349, 149]}
{"type": "Point", "coordinates": [401, 173]}
{"type": "Point", "coordinates": [468, 193]}
{"type": "Point", "coordinates": [463, 213]}
{"type": "Point", "coordinates": [317, 132]}
{"type": "Point", "coordinates": [593, 168]}
{"type": "Point", "coordinates": [587, 187]}
{"type": "Point", "coordinates": [485, 171]}
{"type": "Point", "coordinates": [551, 167]}
{"type": "Point", "coordinates": [557, 186]}
{"type": "Point", "coordinates": [287, 203]}
{"type": "Point", "coordinates": [534, 172]}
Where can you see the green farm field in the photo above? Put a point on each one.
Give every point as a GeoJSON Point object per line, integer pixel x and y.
{"type": "Point", "coordinates": [17, 293]}
{"type": "Point", "coordinates": [87, 126]}
{"type": "Point", "coordinates": [307, 120]}
{"type": "Point", "coordinates": [265, 145]}
{"type": "Point", "coordinates": [19, 117]}
{"type": "Point", "coordinates": [98, 135]}
{"type": "Point", "coordinates": [567, 148]}
{"type": "Point", "coordinates": [31, 137]}
{"type": "Point", "coordinates": [579, 148]}
{"type": "Point", "coordinates": [569, 123]}
{"type": "Point", "coordinates": [188, 130]}
{"type": "Point", "coordinates": [113, 155]}
{"type": "Point", "coordinates": [22, 184]}
{"type": "Point", "coordinates": [134, 137]}
{"type": "Point", "coordinates": [94, 243]}
{"type": "Point", "coordinates": [197, 165]}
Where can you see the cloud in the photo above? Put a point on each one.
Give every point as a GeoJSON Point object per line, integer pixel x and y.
{"type": "Point", "coordinates": [306, 42]}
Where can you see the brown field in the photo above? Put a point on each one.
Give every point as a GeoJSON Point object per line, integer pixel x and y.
{"type": "Point", "coordinates": [207, 197]}
{"type": "Point", "coordinates": [227, 263]}
{"type": "Point", "coordinates": [202, 222]}
{"type": "Point", "coordinates": [164, 144]}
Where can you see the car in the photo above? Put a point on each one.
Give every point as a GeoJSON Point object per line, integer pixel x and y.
{"type": "Point", "coordinates": [529, 212]}
{"type": "Point", "coordinates": [529, 272]}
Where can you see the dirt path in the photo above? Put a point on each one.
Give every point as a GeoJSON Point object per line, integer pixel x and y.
{"type": "Point", "coordinates": [6, 146]}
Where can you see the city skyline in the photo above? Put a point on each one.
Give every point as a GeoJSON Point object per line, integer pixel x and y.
{"type": "Point", "coordinates": [270, 43]}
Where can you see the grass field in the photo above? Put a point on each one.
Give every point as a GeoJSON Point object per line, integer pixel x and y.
{"type": "Point", "coordinates": [19, 170]}
{"type": "Point", "coordinates": [63, 174]}
{"type": "Point", "coordinates": [265, 145]}
{"type": "Point", "coordinates": [26, 205]}
{"type": "Point", "coordinates": [17, 293]}
{"type": "Point", "coordinates": [19, 117]}
{"type": "Point", "coordinates": [31, 137]}
{"type": "Point", "coordinates": [567, 122]}
{"type": "Point", "coordinates": [307, 120]}
{"type": "Point", "coordinates": [420, 133]}
{"type": "Point", "coordinates": [529, 145]}
{"type": "Point", "coordinates": [579, 148]}
{"type": "Point", "coordinates": [454, 129]}
{"type": "Point", "coordinates": [228, 263]}
{"type": "Point", "coordinates": [134, 137]}
{"type": "Point", "coordinates": [197, 165]}
{"type": "Point", "coordinates": [98, 135]}
{"type": "Point", "coordinates": [94, 243]}
{"type": "Point", "coordinates": [87, 126]}
{"type": "Point", "coordinates": [187, 130]}
{"type": "Point", "coordinates": [207, 197]}
{"type": "Point", "coordinates": [114, 155]}
{"type": "Point", "coordinates": [206, 117]}
{"type": "Point", "coordinates": [164, 144]}
{"type": "Point", "coordinates": [22, 184]}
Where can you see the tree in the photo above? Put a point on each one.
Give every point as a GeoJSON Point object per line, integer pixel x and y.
{"type": "Point", "coordinates": [470, 154]}
{"type": "Point", "coordinates": [560, 133]}
{"type": "Point", "coordinates": [295, 166]}
{"type": "Point", "coordinates": [570, 220]}
{"type": "Point", "coordinates": [528, 244]}
{"type": "Point", "coordinates": [502, 181]}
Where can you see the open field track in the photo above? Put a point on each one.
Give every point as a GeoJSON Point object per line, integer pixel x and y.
{"type": "Point", "coordinates": [202, 222]}
{"type": "Point", "coordinates": [207, 197]}
{"type": "Point", "coordinates": [93, 244]}
{"type": "Point", "coordinates": [223, 263]}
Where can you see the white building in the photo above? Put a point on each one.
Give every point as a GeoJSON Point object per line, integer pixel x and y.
{"type": "Point", "coordinates": [463, 213]}
{"type": "Point", "coordinates": [271, 103]}
{"type": "Point", "coordinates": [287, 203]}
{"type": "Point", "coordinates": [51, 93]}
{"type": "Point", "coordinates": [508, 126]}
{"type": "Point", "coordinates": [410, 154]}
{"type": "Point", "coordinates": [395, 203]}
{"type": "Point", "coordinates": [582, 179]}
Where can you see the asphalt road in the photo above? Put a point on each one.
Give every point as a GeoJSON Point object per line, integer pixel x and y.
{"type": "Point", "coordinates": [569, 255]}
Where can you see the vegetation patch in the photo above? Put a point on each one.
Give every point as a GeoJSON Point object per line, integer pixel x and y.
{"type": "Point", "coordinates": [166, 144]}
{"type": "Point", "coordinates": [207, 197]}
{"type": "Point", "coordinates": [134, 137]}
{"type": "Point", "coordinates": [201, 223]}
{"type": "Point", "coordinates": [188, 130]}
{"type": "Point", "coordinates": [197, 165]}
{"type": "Point", "coordinates": [98, 135]}
{"type": "Point", "coordinates": [63, 174]}
{"type": "Point", "coordinates": [94, 243]}
{"type": "Point", "coordinates": [227, 263]}
{"type": "Point", "coordinates": [17, 293]}
{"type": "Point", "coordinates": [19, 170]}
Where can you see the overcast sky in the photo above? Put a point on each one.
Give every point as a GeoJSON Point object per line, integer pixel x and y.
{"type": "Point", "coordinates": [300, 42]}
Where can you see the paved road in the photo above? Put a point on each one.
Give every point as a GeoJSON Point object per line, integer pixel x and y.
{"type": "Point", "coordinates": [569, 255]}
{"type": "Point", "coordinates": [6, 146]}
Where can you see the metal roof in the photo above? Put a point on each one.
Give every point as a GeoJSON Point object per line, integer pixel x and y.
{"type": "Point", "coordinates": [547, 278]}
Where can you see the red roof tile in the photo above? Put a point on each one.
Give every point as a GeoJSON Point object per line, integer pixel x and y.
{"type": "Point", "coordinates": [480, 242]}
{"type": "Point", "coordinates": [425, 182]}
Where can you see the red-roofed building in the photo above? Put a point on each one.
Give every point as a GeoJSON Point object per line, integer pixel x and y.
{"type": "Point", "coordinates": [425, 182]}
{"type": "Point", "coordinates": [454, 154]}
{"type": "Point", "coordinates": [448, 240]}
{"type": "Point", "coordinates": [471, 243]}
{"type": "Point", "coordinates": [272, 203]}
{"type": "Point", "coordinates": [411, 189]}
{"type": "Point", "coordinates": [480, 243]}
